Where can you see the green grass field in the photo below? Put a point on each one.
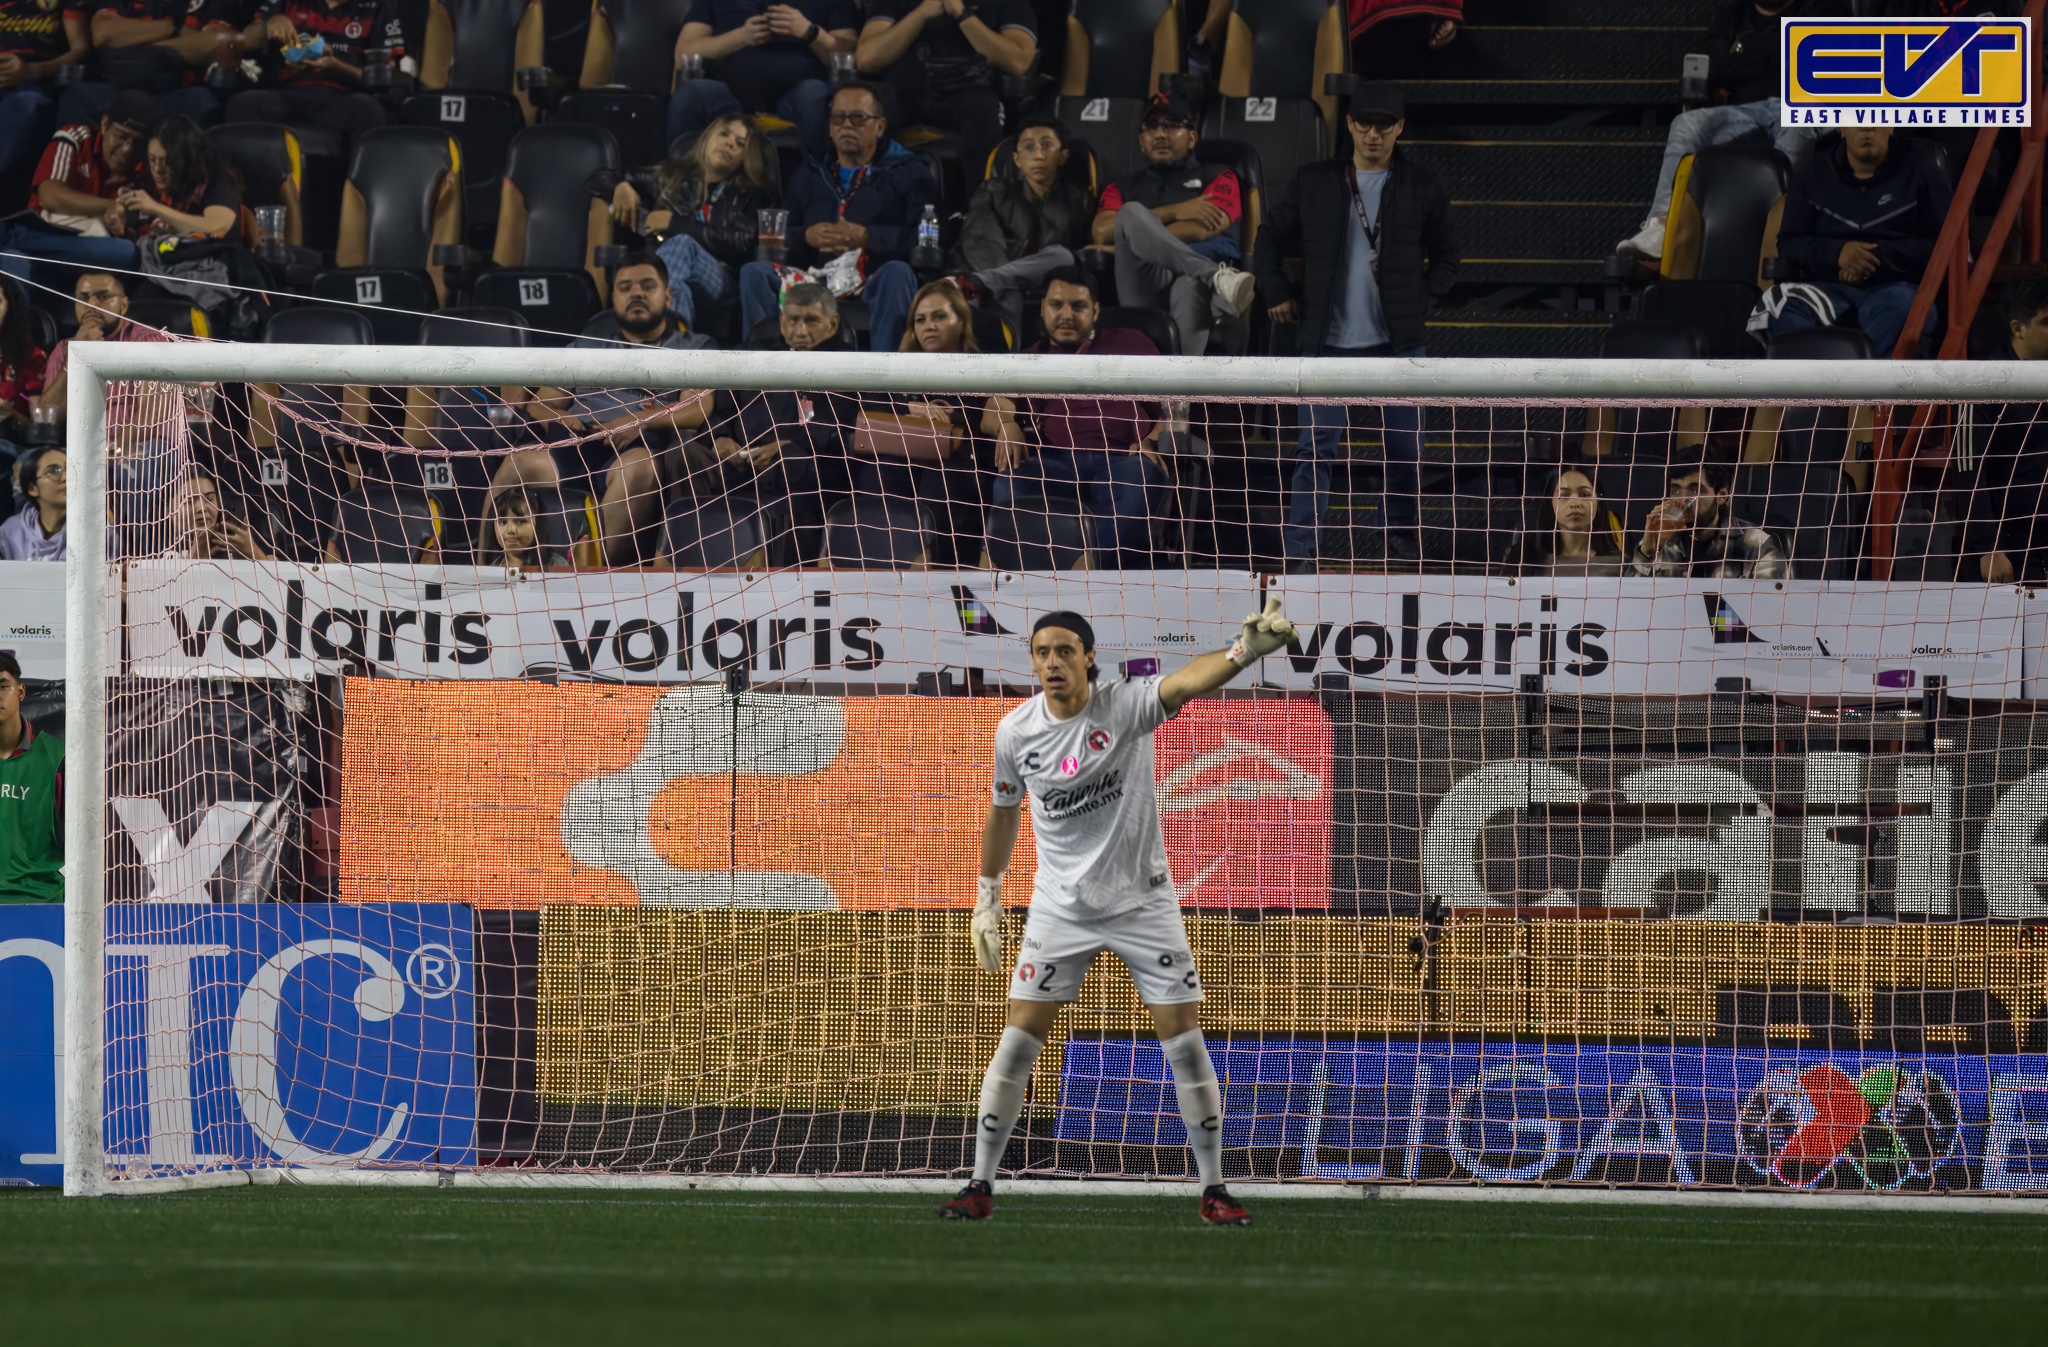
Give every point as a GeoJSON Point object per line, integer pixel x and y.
{"type": "Point", "coordinates": [318, 1266]}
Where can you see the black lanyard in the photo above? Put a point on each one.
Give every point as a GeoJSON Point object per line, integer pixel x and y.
{"type": "Point", "coordinates": [853, 184]}
{"type": "Point", "coordinates": [1366, 222]}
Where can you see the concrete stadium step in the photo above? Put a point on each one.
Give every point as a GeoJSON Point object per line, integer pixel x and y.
{"type": "Point", "coordinates": [1512, 333]}
{"type": "Point", "coordinates": [1625, 66]}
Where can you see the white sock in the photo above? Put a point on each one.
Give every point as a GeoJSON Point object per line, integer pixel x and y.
{"type": "Point", "coordinates": [1201, 1101]}
{"type": "Point", "coordinates": [1002, 1098]}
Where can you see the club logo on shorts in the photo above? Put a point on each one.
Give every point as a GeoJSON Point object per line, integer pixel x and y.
{"type": "Point", "coordinates": [1098, 740]}
{"type": "Point", "coordinates": [1069, 765]}
{"type": "Point", "coordinates": [1026, 972]}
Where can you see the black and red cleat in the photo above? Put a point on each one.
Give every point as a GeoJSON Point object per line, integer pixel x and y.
{"type": "Point", "coordinates": [1219, 1208]}
{"type": "Point", "coordinates": [976, 1202]}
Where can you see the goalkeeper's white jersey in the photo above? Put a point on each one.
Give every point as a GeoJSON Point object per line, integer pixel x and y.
{"type": "Point", "coordinates": [1094, 813]}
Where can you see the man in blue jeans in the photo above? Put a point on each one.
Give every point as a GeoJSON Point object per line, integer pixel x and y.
{"type": "Point", "coordinates": [1374, 238]}
{"type": "Point", "coordinates": [1106, 449]}
{"type": "Point", "coordinates": [773, 58]}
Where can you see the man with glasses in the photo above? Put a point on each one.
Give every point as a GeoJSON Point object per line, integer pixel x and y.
{"type": "Point", "coordinates": [853, 219]}
{"type": "Point", "coordinates": [1175, 226]}
{"type": "Point", "coordinates": [83, 169]}
{"type": "Point", "coordinates": [1373, 233]}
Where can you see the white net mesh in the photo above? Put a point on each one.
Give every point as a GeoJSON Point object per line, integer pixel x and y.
{"type": "Point", "coordinates": [592, 779]}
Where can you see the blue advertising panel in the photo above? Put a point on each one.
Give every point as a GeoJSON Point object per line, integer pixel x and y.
{"type": "Point", "coordinates": [280, 1034]}
{"type": "Point", "coordinates": [1561, 1112]}
{"type": "Point", "coordinates": [31, 1011]}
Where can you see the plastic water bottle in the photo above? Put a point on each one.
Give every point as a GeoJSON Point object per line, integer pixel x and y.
{"type": "Point", "coordinates": [928, 229]}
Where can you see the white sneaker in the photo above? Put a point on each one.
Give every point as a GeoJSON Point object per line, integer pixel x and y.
{"type": "Point", "coordinates": [1648, 241]}
{"type": "Point", "coordinates": [1233, 289]}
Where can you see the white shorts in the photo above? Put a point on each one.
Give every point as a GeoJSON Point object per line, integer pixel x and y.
{"type": "Point", "coordinates": [1152, 941]}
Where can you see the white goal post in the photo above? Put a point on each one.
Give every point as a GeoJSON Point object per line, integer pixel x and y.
{"type": "Point", "coordinates": [94, 647]}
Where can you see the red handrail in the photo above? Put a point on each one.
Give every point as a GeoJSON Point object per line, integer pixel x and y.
{"type": "Point", "coordinates": [1967, 280]}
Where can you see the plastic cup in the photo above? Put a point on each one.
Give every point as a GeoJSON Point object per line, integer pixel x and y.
{"type": "Point", "coordinates": [269, 225]}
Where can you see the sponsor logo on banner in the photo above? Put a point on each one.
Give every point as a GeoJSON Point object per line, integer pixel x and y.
{"type": "Point", "coordinates": [1564, 1111]}
{"type": "Point", "coordinates": [1727, 624]}
{"type": "Point", "coordinates": [864, 803]}
{"type": "Point", "coordinates": [1907, 72]}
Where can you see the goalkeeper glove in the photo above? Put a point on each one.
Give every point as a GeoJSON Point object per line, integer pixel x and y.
{"type": "Point", "coordinates": [1263, 633]}
{"type": "Point", "coordinates": [988, 925]}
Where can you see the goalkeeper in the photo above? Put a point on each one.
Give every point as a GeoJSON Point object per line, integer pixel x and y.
{"type": "Point", "coordinates": [1083, 753]}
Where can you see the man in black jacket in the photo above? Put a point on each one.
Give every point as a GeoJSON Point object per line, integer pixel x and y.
{"type": "Point", "coordinates": [1743, 45]}
{"type": "Point", "coordinates": [1374, 235]}
{"type": "Point", "coordinates": [1020, 230]}
{"type": "Point", "coordinates": [1860, 222]}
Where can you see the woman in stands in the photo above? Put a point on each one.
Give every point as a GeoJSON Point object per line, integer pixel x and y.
{"type": "Point", "coordinates": [936, 450]}
{"type": "Point", "coordinates": [21, 371]}
{"type": "Point", "coordinates": [192, 192]}
{"type": "Point", "coordinates": [214, 525]}
{"type": "Point", "coordinates": [510, 535]}
{"type": "Point", "coordinates": [708, 203]}
{"type": "Point", "coordinates": [1580, 537]}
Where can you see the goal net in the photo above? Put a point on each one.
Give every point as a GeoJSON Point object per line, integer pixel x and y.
{"type": "Point", "coordinates": [543, 762]}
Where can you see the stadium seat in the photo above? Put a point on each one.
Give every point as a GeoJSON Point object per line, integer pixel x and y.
{"type": "Point", "coordinates": [471, 53]}
{"type": "Point", "coordinates": [719, 535]}
{"type": "Point", "coordinates": [548, 227]}
{"type": "Point", "coordinates": [272, 167]}
{"type": "Point", "coordinates": [1034, 534]}
{"type": "Point", "coordinates": [1117, 52]}
{"type": "Point", "coordinates": [1647, 433]}
{"type": "Point", "coordinates": [1819, 434]}
{"type": "Point", "coordinates": [1813, 510]}
{"type": "Point", "coordinates": [992, 331]}
{"type": "Point", "coordinates": [628, 74]}
{"type": "Point", "coordinates": [1156, 325]}
{"type": "Point", "coordinates": [1724, 214]}
{"type": "Point", "coordinates": [323, 159]}
{"type": "Point", "coordinates": [456, 327]}
{"type": "Point", "coordinates": [1822, 343]}
{"type": "Point", "coordinates": [637, 121]}
{"type": "Point", "coordinates": [1718, 310]}
{"type": "Point", "coordinates": [168, 313]}
{"type": "Point", "coordinates": [1242, 159]}
{"type": "Point", "coordinates": [876, 533]}
{"type": "Point", "coordinates": [385, 525]}
{"type": "Point", "coordinates": [1276, 56]}
{"type": "Point", "coordinates": [287, 464]}
{"type": "Point", "coordinates": [1642, 340]}
{"type": "Point", "coordinates": [1081, 166]}
{"type": "Point", "coordinates": [404, 196]}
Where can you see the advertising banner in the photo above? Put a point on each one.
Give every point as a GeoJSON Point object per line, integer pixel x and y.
{"type": "Point", "coordinates": [686, 798]}
{"type": "Point", "coordinates": [1558, 1112]}
{"type": "Point", "coordinates": [1725, 808]}
{"type": "Point", "coordinates": [1928, 71]}
{"type": "Point", "coordinates": [31, 1043]}
{"type": "Point", "coordinates": [32, 616]}
{"type": "Point", "coordinates": [287, 1035]}
{"type": "Point", "coordinates": [1652, 637]}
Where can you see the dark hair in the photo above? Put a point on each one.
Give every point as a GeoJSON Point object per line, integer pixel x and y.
{"type": "Point", "coordinates": [1042, 123]}
{"type": "Point", "coordinates": [1715, 474]}
{"type": "Point", "coordinates": [872, 90]}
{"type": "Point", "coordinates": [512, 500]}
{"type": "Point", "coordinates": [191, 159]}
{"type": "Point", "coordinates": [1069, 620]}
{"type": "Point", "coordinates": [14, 334]}
{"type": "Point", "coordinates": [10, 665]}
{"type": "Point", "coordinates": [1536, 551]}
{"type": "Point", "coordinates": [682, 181]}
{"type": "Point", "coordinates": [2025, 298]}
{"type": "Point", "coordinates": [30, 466]}
{"type": "Point", "coordinates": [1078, 276]}
{"type": "Point", "coordinates": [642, 259]}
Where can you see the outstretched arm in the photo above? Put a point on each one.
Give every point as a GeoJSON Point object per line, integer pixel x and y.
{"type": "Point", "coordinates": [1263, 633]}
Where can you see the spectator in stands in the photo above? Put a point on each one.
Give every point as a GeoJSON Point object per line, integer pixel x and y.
{"type": "Point", "coordinates": [36, 37]}
{"type": "Point", "coordinates": [1108, 448]}
{"type": "Point", "coordinates": [22, 365]}
{"type": "Point", "coordinates": [36, 533]}
{"type": "Point", "coordinates": [216, 525]}
{"type": "Point", "coordinates": [1742, 44]}
{"type": "Point", "coordinates": [316, 53]}
{"type": "Point", "coordinates": [1578, 537]}
{"type": "Point", "coordinates": [83, 170]}
{"type": "Point", "coordinates": [191, 192]}
{"type": "Point", "coordinates": [853, 216]}
{"type": "Point", "coordinates": [1174, 224]}
{"type": "Point", "coordinates": [31, 799]}
{"type": "Point", "coordinates": [944, 59]}
{"type": "Point", "coordinates": [937, 450]}
{"type": "Point", "coordinates": [632, 430]}
{"type": "Point", "coordinates": [1860, 221]}
{"type": "Point", "coordinates": [1021, 229]}
{"type": "Point", "coordinates": [2006, 515]}
{"type": "Point", "coordinates": [1376, 246]}
{"type": "Point", "coordinates": [762, 58]}
{"type": "Point", "coordinates": [158, 47]}
{"type": "Point", "coordinates": [510, 537]}
{"type": "Point", "coordinates": [1695, 533]}
{"type": "Point", "coordinates": [708, 203]}
{"type": "Point", "coordinates": [143, 425]}
{"type": "Point", "coordinates": [787, 448]}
